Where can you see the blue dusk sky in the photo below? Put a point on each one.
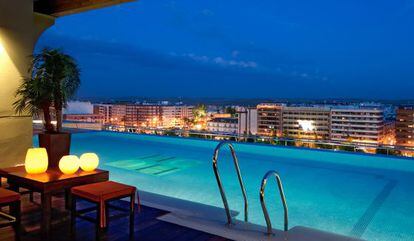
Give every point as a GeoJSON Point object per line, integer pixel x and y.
{"type": "Point", "coordinates": [243, 49]}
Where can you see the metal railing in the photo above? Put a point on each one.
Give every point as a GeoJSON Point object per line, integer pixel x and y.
{"type": "Point", "coordinates": [355, 146]}
{"type": "Point", "coordinates": [220, 184]}
{"type": "Point", "coordinates": [282, 197]}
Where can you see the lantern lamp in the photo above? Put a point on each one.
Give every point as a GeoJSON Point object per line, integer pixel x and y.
{"type": "Point", "coordinates": [89, 162]}
{"type": "Point", "coordinates": [69, 164]}
{"type": "Point", "coordinates": [36, 160]}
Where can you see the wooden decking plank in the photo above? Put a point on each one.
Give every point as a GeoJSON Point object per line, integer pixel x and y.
{"type": "Point", "coordinates": [147, 226]}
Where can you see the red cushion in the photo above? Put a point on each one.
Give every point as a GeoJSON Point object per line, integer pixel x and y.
{"type": "Point", "coordinates": [103, 191]}
{"type": "Point", "coordinates": [7, 196]}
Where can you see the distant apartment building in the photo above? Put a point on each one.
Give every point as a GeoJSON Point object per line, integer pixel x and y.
{"type": "Point", "coordinates": [143, 115]}
{"type": "Point", "coordinates": [223, 125]}
{"type": "Point", "coordinates": [83, 125]}
{"type": "Point", "coordinates": [269, 119]}
{"type": "Point", "coordinates": [404, 126]}
{"type": "Point", "coordinates": [175, 116]}
{"type": "Point", "coordinates": [149, 115]}
{"type": "Point", "coordinates": [389, 132]}
{"type": "Point", "coordinates": [118, 114]}
{"type": "Point", "coordinates": [86, 118]}
{"type": "Point", "coordinates": [103, 109]}
{"type": "Point", "coordinates": [247, 121]}
{"type": "Point", "coordinates": [357, 124]}
{"type": "Point", "coordinates": [113, 113]}
{"type": "Point", "coordinates": [131, 115]}
{"type": "Point", "coordinates": [306, 122]}
{"type": "Point", "coordinates": [347, 123]}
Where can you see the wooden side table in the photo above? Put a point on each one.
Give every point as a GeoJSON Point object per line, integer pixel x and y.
{"type": "Point", "coordinates": [52, 182]}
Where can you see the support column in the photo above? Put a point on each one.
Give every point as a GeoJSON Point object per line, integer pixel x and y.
{"type": "Point", "coordinates": [20, 28]}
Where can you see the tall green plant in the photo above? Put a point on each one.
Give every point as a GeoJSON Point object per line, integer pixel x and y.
{"type": "Point", "coordinates": [33, 96]}
{"type": "Point", "coordinates": [54, 79]}
{"type": "Point", "coordinates": [65, 78]}
{"type": "Point", "coordinates": [199, 111]}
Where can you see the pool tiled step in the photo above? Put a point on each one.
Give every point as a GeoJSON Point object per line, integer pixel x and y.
{"type": "Point", "coordinates": [139, 162]}
{"type": "Point", "coordinates": [158, 170]}
{"type": "Point", "coordinates": [154, 164]}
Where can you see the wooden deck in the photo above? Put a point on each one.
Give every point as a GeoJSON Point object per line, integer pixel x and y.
{"type": "Point", "coordinates": [147, 227]}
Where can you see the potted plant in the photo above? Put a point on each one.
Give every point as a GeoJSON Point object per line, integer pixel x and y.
{"type": "Point", "coordinates": [53, 79]}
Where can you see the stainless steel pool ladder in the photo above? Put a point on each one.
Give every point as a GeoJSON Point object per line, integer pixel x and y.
{"type": "Point", "coordinates": [282, 196]}
{"type": "Point", "coordinates": [220, 184]}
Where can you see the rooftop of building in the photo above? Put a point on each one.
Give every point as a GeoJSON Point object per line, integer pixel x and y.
{"type": "Point", "coordinates": [406, 107]}
{"type": "Point", "coordinates": [316, 107]}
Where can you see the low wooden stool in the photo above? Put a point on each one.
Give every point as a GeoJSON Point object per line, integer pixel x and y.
{"type": "Point", "coordinates": [12, 200]}
{"type": "Point", "coordinates": [101, 194]}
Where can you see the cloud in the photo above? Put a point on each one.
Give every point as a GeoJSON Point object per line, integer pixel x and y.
{"type": "Point", "coordinates": [104, 61]}
{"type": "Point", "coordinates": [243, 64]}
{"type": "Point", "coordinates": [221, 61]}
{"type": "Point", "coordinates": [78, 107]}
{"type": "Point", "coordinates": [111, 50]}
{"type": "Point", "coordinates": [98, 53]}
{"type": "Point", "coordinates": [202, 58]}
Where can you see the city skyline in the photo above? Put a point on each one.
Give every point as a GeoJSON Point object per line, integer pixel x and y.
{"type": "Point", "coordinates": [269, 50]}
{"type": "Point", "coordinates": [356, 123]}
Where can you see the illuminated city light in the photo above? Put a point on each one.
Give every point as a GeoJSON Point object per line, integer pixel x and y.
{"type": "Point", "coordinates": [306, 125]}
{"type": "Point", "coordinates": [319, 123]}
{"type": "Point", "coordinates": [41, 122]}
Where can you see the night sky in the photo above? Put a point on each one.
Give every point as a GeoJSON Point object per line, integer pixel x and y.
{"type": "Point", "coordinates": [243, 49]}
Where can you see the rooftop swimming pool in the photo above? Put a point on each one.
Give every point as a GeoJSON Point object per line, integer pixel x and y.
{"type": "Point", "coordinates": [364, 196]}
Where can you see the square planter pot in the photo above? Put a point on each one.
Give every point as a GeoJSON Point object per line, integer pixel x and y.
{"type": "Point", "coordinates": [57, 145]}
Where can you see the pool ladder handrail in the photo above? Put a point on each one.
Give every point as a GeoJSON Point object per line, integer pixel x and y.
{"type": "Point", "coordinates": [282, 196]}
{"type": "Point", "coordinates": [220, 184]}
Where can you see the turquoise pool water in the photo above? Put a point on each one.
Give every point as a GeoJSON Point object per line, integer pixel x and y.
{"type": "Point", "coordinates": [369, 197]}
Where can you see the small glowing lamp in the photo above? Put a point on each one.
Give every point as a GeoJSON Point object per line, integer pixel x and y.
{"type": "Point", "coordinates": [69, 164]}
{"type": "Point", "coordinates": [36, 160]}
{"type": "Point", "coordinates": [89, 162]}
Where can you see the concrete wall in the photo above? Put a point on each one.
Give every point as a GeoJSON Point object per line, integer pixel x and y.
{"type": "Point", "coordinates": [19, 31]}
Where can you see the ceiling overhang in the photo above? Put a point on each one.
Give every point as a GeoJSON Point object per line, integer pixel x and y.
{"type": "Point", "coordinates": [59, 8]}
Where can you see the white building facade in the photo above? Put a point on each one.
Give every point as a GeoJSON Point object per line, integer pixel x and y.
{"type": "Point", "coordinates": [306, 122]}
{"type": "Point", "coordinates": [357, 125]}
{"type": "Point", "coordinates": [223, 125]}
{"type": "Point", "coordinates": [247, 121]}
{"type": "Point", "coordinates": [175, 116]}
